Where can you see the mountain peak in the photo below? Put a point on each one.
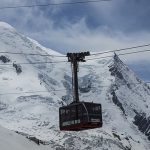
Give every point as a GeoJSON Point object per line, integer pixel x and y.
{"type": "Point", "coordinates": [117, 59]}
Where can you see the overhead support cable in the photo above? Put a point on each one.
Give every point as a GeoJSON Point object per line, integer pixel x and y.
{"type": "Point", "coordinates": [93, 54]}
{"type": "Point", "coordinates": [122, 49]}
{"type": "Point", "coordinates": [53, 4]}
{"type": "Point", "coordinates": [49, 62]}
{"type": "Point", "coordinates": [16, 53]}
{"type": "Point", "coordinates": [30, 92]}
{"type": "Point", "coordinates": [21, 63]}
{"type": "Point", "coordinates": [135, 52]}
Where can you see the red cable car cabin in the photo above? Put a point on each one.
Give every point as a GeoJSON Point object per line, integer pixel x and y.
{"type": "Point", "coordinates": [80, 116]}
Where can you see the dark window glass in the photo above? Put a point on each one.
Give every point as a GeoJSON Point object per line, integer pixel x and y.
{"type": "Point", "coordinates": [79, 110]}
{"type": "Point", "coordinates": [73, 112]}
{"type": "Point", "coordinates": [67, 111]}
{"type": "Point", "coordinates": [96, 109]}
{"type": "Point", "coordinates": [62, 111]}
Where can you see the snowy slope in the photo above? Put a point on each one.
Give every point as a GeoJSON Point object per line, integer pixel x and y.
{"type": "Point", "coordinates": [10, 140]}
{"type": "Point", "coordinates": [107, 81]}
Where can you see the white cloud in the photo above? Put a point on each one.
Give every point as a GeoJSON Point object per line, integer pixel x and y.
{"type": "Point", "coordinates": [77, 36]}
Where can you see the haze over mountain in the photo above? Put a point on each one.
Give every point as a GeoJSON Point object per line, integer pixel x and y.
{"type": "Point", "coordinates": [32, 91]}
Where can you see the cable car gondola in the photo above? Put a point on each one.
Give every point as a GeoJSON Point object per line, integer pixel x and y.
{"type": "Point", "coordinates": [78, 115]}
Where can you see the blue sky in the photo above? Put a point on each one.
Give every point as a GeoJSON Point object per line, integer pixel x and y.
{"type": "Point", "coordinates": [94, 26]}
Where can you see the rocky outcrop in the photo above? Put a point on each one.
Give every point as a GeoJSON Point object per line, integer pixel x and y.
{"type": "Point", "coordinates": [143, 123]}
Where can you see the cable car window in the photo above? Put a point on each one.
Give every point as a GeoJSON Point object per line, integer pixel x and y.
{"type": "Point", "coordinates": [67, 111]}
{"type": "Point", "coordinates": [79, 108]}
{"type": "Point", "coordinates": [73, 112]}
{"type": "Point", "coordinates": [96, 109]}
{"type": "Point", "coordinates": [62, 111]}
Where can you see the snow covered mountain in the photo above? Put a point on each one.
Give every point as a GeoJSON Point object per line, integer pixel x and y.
{"type": "Point", "coordinates": [31, 94]}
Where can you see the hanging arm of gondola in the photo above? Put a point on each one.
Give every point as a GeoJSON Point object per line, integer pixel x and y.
{"type": "Point", "coordinates": [75, 58]}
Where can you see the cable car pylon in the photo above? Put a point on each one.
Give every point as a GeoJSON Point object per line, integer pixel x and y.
{"type": "Point", "coordinates": [75, 58]}
{"type": "Point", "coordinates": [79, 115]}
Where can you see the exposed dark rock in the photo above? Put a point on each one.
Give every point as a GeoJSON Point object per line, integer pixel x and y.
{"type": "Point", "coordinates": [115, 69]}
{"type": "Point", "coordinates": [85, 83]}
{"type": "Point", "coordinates": [44, 78]}
{"type": "Point", "coordinates": [85, 89]}
{"type": "Point", "coordinates": [37, 141]}
{"type": "Point", "coordinates": [68, 78]}
{"type": "Point", "coordinates": [127, 138]}
{"type": "Point", "coordinates": [4, 59]}
{"type": "Point", "coordinates": [36, 98]}
{"type": "Point", "coordinates": [117, 102]}
{"type": "Point", "coordinates": [115, 72]}
{"type": "Point", "coordinates": [2, 106]}
{"type": "Point", "coordinates": [34, 139]}
{"type": "Point", "coordinates": [143, 123]}
{"type": "Point", "coordinates": [117, 136]}
{"type": "Point", "coordinates": [18, 68]}
{"type": "Point", "coordinates": [128, 148]}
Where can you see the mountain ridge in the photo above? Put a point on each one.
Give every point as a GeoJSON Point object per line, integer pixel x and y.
{"type": "Point", "coordinates": [108, 81]}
